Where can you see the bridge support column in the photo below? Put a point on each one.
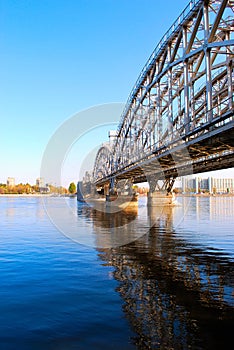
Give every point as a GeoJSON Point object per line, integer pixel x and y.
{"type": "Point", "coordinates": [80, 195]}
{"type": "Point", "coordinates": [85, 189]}
{"type": "Point", "coordinates": [160, 193]}
{"type": "Point", "coordinates": [121, 194]}
{"type": "Point", "coordinates": [110, 190]}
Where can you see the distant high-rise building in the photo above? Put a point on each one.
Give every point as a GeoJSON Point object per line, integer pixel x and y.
{"type": "Point", "coordinates": [40, 182]}
{"type": "Point", "coordinates": [188, 184]}
{"type": "Point", "coordinates": [11, 181]}
{"type": "Point", "coordinates": [211, 185]}
{"type": "Point", "coordinates": [221, 185]}
{"type": "Point", "coordinates": [43, 188]}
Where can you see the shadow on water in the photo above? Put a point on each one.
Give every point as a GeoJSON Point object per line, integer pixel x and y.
{"type": "Point", "coordinates": [176, 295]}
{"type": "Point", "coordinates": [106, 220]}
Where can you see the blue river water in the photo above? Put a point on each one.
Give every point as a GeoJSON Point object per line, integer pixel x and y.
{"type": "Point", "coordinates": [169, 286]}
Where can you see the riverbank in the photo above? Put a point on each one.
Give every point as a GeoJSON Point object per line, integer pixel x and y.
{"type": "Point", "coordinates": [140, 195]}
{"type": "Point", "coordinates": [197, 195]}
{"type": "Point", "coordinates": [36, 195]}
{"type": "Point", "coordinates": [205, 195]}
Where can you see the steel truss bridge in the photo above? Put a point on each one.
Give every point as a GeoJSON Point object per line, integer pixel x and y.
{"type": "Point", "coordinates": [179, 117]}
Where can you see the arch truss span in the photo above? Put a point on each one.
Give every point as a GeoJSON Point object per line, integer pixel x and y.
{"type": "Point", "coordinates": [103, 163]}
{"type": "Point", "coordinates": [183, 98]}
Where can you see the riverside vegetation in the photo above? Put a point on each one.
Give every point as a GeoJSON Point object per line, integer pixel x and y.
{"type": "Point", "coordinates": [35, 189]}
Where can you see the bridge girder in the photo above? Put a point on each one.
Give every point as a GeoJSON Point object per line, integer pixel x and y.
{"type": "Point", "coordinates": [182, 98]}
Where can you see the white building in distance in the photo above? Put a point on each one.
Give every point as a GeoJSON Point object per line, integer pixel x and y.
{"type": "Point", "coordinates": [40, 182]}
{"type": "Point", "coordinates": [10, 181]}
{"type": "Point", "coordinates": [211, 185]}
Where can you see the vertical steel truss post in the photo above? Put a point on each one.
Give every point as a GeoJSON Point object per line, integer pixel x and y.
{"type": "Point", "coordinates": [229, 73]}
{"type": "Point", "coordinates": [170, 100]}
{"type": "Point", "coordinates": [208, 64]}
{"type": "Point", "coordinates": [186, 82]}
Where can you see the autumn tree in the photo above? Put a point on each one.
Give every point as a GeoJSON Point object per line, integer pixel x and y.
{"type": "Point", "coordinates": [72, 188]}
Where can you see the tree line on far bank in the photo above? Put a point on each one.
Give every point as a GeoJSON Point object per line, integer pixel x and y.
{"type": "Point", "coordinates": [30, 189]}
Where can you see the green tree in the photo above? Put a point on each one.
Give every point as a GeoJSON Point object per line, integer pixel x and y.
{"type": "Point", "coordinates": [72, 188]}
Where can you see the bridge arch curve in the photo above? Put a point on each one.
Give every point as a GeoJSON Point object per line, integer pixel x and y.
{"type": "Point", "coordinates": [103, 162]}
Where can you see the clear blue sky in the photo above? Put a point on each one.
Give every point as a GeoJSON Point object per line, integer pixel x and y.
{"type": "Point", "coordinates": [62, 56]}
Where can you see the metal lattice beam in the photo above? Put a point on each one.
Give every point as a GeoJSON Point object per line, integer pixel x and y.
{"type": "Point", "coordinates": [182, 98]}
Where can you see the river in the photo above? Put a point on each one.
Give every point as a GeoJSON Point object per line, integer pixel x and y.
{"type": "Point", "coordinates": [159, 278]}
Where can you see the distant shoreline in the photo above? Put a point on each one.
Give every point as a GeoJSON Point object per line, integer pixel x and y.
{"type": "Point", "coordinates": [25, 195]}
{"type": "Point", "coordinates": [205, 195]}
{"type": "Point", "coordinates": [35, 195]}
{"type": "Point", "coordinates": [141, 195]}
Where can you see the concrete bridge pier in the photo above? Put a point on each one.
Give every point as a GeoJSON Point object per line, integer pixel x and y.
{"type": "Point", "coordinates": [121, 194]}
{"type": "Point", "coordinates": [160, 198]}
{"type": "Point", "coordinates": [160, 192]}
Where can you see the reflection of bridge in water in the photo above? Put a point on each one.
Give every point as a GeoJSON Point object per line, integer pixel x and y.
{"type": "Point", "coordinates": [175, 292]}
{"type": "Point", "coordinates": [178, 119]}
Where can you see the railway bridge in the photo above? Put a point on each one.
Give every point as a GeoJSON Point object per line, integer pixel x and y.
{"type": "Point", "coordinates": [179, 116]}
